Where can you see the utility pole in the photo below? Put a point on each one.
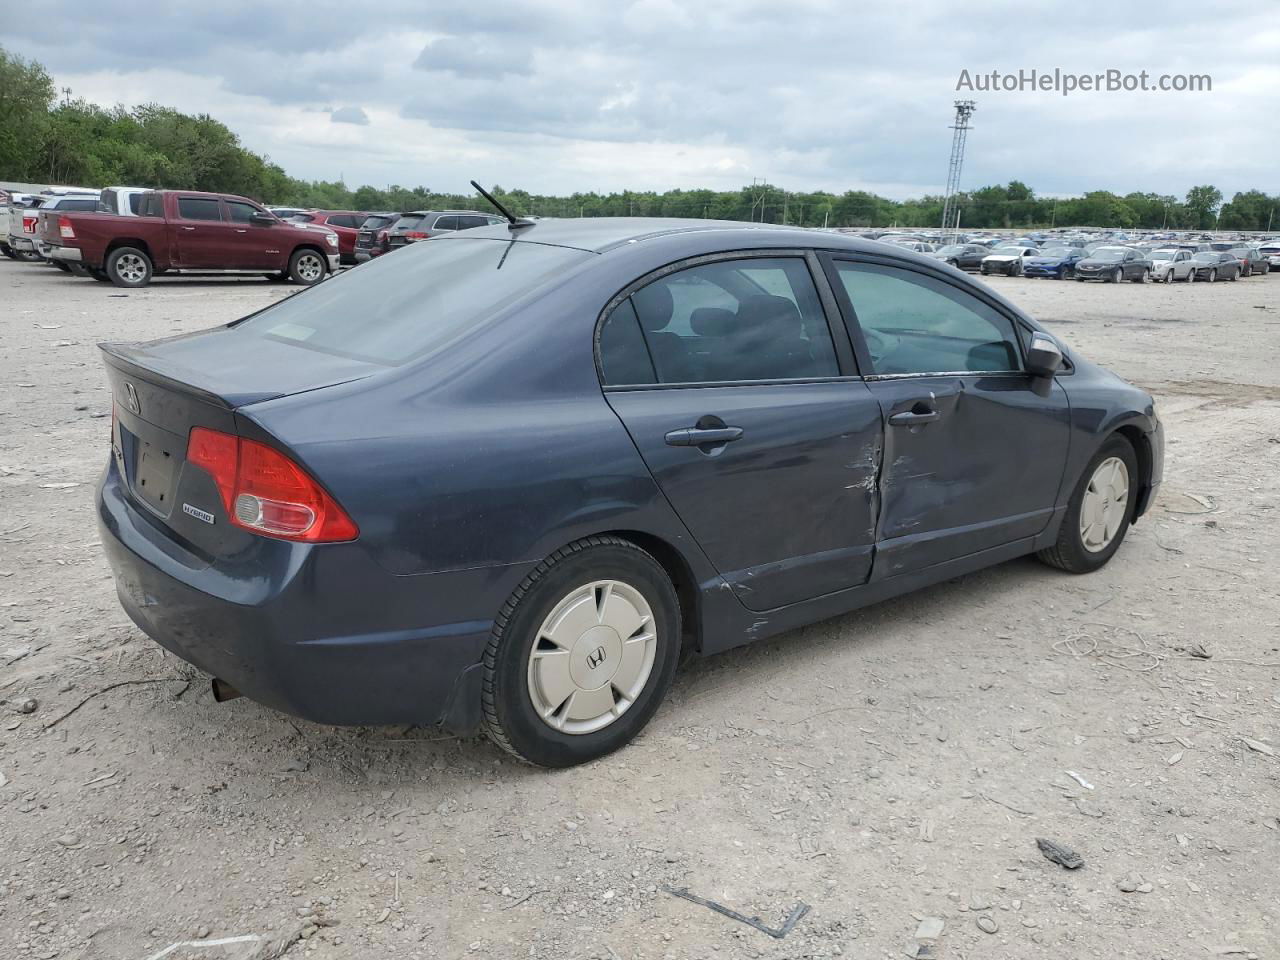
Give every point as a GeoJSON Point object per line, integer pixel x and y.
{"type": "Point", "coordinates": [964, 110]}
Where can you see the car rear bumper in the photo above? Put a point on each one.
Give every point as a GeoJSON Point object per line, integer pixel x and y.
{"type": "Point", "coordinates": [319, 632]}
{"type": "Point", "coordinates": [362, 255]}
{"type": "Point", "coordinates": [22, 243]}
{"type": "Point", "coordinates": [70, 254]}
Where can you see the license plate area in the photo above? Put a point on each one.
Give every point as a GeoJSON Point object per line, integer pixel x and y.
{"type": "Point", "coordinates": [154, 469]}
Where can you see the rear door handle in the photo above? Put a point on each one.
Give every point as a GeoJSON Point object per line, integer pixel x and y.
{"type": "Point", "coordinates": [238, 230]}
{"type": "Point", "coordinates": [188, 228]}
{"type": "Point", "coordinates": [913, 418]}
{"type": "Point", "coordinates": [702, 436]}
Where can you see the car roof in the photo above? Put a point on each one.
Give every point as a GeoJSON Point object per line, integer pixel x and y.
{"type": "Point", "coordinates": [600, 234]}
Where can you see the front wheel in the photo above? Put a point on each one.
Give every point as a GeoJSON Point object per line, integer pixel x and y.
{"type": "Point", "coordinates": [307, 267]}
{"type": "Point", "coordinates": [128, 267]}
{"type": "Point", "coordinates": [1168, 276]}
{"type": "Point", "coordinates": [582, 653]}
{"type": "Point", "coordinates": [1100, 511]}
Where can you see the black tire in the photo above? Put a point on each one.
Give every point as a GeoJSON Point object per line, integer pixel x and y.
{"type": "Point", "coordinates": [8, 251]}
{"type": "Point", "coordinates": [129, 267]}
{"type": "Point", "coordinates": [307, 267]}
{"type": "Point", "coordinates": [1235, 275]}
{"type": "Point", "coordinates": [509, 715]}
{"type": "Point", "coordinates": [27, 256]}
{"type": "Point", "coordinates": [1117, 276]}
{"type": "Point", "coordinates": [1213, 276]}
{"type": "Point", "coordinates": [1140, 278]}
{"type": "Point", "coordinates": [1069, 552]}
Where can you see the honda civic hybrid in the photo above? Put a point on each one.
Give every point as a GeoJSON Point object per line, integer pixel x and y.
{"type": "Point", "coordinates": [505, 479]}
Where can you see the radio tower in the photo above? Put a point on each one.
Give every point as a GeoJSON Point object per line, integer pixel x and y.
{"type": "Point", "coordinates": [950, 206]}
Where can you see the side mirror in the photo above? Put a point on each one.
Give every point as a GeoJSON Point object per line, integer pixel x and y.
{"type": "Point", "coordinates": [1044, 356]}
{"type": "Point", "coordinates": [262, 219]}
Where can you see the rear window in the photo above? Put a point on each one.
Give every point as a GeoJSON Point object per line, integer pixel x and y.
{"type": "Point", "coordinates": [373, 223]}
{"type": "Point", "coordinates": [409, 223]}
{"type": "Point", "coordinates": [87, 203]}
{"type": "Point", "coordinates": [400, 308]}
{"type": "Point", "coordinates": [151, 205]}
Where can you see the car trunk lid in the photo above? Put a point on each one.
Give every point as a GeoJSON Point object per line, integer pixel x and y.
{"type": "Point", "coordinates": [160, 395]}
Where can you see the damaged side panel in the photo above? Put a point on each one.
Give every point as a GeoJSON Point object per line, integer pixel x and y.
{"type": "Point", "coordinates": [985, 472]}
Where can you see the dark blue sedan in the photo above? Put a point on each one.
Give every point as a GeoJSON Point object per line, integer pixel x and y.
{"type": "Point", "coordinates": [1056, 262]}
{"type": "Point", "coordinates": [504, 478]}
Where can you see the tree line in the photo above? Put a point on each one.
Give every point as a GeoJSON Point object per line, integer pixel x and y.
{"type": "Point", "coordinates": [72, 141]}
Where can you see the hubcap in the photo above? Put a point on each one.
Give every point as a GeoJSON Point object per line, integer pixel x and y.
{"type": "Point", "coordinates": [131, 268]}
{"type": "Point", "coordinates": [592, 657]}
{"type": "Point", "coordinates": [1105, 503]}
{"type": "Point", "coordinates": [310, 267]}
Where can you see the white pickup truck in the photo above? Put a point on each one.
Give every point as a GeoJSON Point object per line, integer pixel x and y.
{"type": "Point", "coordinates": [21, 236]}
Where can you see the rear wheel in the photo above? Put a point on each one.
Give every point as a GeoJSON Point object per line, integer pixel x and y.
{"type": "Point", "coordinates": [582, 653]}
{"type": "Point", "coordinates": [1117, 276]}
{"type": "Point", "coordinates": [27, 256]}
{"type": "Point", "coordinates": [307, 267]}
{"type": "Point", "coordinates": [1213, 275]}
{"type": "Point", "coordinates": [128, 267]}
{"type": "Point", "coordinates": [8, 251]}
{"type": "Point", "coordinates": [1168, 275]}
{"type": "Point", "coordinates": [1100, 510]}
{"type": "Point", "coordinates": [1143, 277]}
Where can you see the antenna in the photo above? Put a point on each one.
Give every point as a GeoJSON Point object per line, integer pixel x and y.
{"type": "Point", "coordinates": [950, 203]}
{"type": "Point", "coordinates": [516, 222]}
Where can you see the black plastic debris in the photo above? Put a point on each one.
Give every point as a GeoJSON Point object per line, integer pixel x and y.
{"type": "Point", "coordinates": [1059, 854]}
{"type": "Point", "coordinates": [776, 932]}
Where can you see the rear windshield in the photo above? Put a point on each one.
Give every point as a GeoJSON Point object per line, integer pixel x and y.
{"type": "Point", "coordinates": [420, 299]}
{"type": "Point", "coordinates": [373, 223]}
{"type": "Point", "coordinates": [409, 223]}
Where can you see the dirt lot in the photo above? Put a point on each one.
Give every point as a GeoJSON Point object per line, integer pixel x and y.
{"type": "Point", "coordinates": [891, 765]}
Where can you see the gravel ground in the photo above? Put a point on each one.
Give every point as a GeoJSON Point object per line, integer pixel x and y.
{"type": "Point", "coordinates": [887, 767]}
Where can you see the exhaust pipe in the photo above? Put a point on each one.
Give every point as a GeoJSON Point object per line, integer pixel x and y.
{"type": "Point", "coordinates": [223, 691]}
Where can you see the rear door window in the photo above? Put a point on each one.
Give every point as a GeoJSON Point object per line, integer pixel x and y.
{"type": "Point", "coordinates": [199, 208]}
{"type": "Point", "coordinates": [732, 320]}
{"type": "Point", "coordinates": [915, 324]}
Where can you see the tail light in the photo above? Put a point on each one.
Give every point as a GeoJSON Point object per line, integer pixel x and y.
{"type": "Point", "coordinates": [28, 224]}
{"type": "Point", "coordinates": [265, 492]}
{"type": "Point", "coordinates": [382, 236]}
{"type": "Point", "coordinates": [65, 229]}
{"type": "Point", "coordinates": [416, 235]}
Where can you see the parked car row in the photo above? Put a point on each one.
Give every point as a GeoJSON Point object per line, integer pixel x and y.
{"type": "Point", "coordinates": [128, 235]}
{"type": "Point", "coordinates": [1113, 262]}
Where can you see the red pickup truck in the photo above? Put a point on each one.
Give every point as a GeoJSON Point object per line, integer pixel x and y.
{"type": "Point", "coordinates": [189, 232]}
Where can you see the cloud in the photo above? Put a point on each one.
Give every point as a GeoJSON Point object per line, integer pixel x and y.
{"type": "Point", "coordinates": [558, 95]}
{"type": "Point", "coordinates": [349, 115]}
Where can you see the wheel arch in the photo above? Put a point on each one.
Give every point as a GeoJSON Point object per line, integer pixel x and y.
{"type": "Point", "coordinates": [137, 243]}
{"type": "Point", "coordinates": [1141, 443]}
{"type": "Point", "coordinates": [682, 577]}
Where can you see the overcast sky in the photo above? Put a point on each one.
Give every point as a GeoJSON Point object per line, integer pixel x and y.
{"type": "Point", "coordinates": [563, 95]}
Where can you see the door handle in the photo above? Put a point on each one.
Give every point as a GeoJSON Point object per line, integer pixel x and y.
{"type": "Point", "coordinates": [238, 230]}
{"type": "Point", "coordinates": [702, 436]}
{"type": "Point", "coordinates": [188, 228]}
{"type": "Point", "coordinates": [914, 418]}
